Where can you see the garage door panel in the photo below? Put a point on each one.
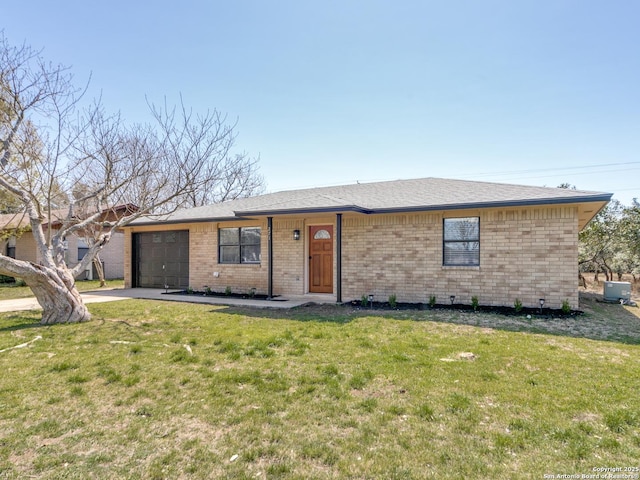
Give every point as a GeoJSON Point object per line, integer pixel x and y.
{"type": "Point", "coordinates": [162, 258]}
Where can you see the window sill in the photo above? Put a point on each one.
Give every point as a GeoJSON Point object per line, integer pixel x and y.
{"type": "Point", "coordinates": [461, 267]}
{"type": "Point", "coordinates": [239, 264]}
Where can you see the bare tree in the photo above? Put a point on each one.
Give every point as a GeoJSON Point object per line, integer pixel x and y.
{"type": "Point", "coordinates": [49, 149]}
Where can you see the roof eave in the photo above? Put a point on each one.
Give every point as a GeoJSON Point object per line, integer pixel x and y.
{"type": "Point", "coordinates": [186, 220]}
{"type": "Point", "coordinates": [299, 211]}
{"type": "Point", "coordinates": [422, 208]}
{"type": "Point", "coordinates": [497, 204]}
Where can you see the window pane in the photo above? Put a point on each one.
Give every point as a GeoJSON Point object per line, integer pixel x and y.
{"type": "Point", "coordinates": [251, 254]}
{"type": "Point", "coordinates": [250, 236]}
{"type": "Point", "coordinates": [229, 236]}
{"type": "Point", "coordinates": [322, 235]}
{"type": "Point", "coordinates": [229, 254]}
{"type": "Point", "coordinates": [239, 245]}
{"type": "Point", "coordinates": [82, 251]}
{"type": "Point", "coordinates": [462, 228]}
{"type": "Point", "coordinates": [462, 253]}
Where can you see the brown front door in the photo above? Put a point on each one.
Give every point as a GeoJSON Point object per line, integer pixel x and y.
{"type": "Point", "coordinates": [321, 259]}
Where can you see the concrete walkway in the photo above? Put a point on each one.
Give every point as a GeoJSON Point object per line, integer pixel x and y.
{"type": "Point", "coordinates": [112, 295]}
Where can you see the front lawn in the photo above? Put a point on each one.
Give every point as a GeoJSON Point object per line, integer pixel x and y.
{"type": "Point", "coordinates": [172, 390]}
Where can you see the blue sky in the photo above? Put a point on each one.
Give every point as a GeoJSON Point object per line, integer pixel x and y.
{"type": "Point", "coordinates": [531, 92]}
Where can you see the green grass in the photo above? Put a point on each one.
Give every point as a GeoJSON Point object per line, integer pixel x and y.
{"type": "Point", "coordinates": [172, 390]}
{"type": "Point", "coordinates": [9, 291]}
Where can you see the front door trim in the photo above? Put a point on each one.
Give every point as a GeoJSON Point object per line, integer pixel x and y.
{"type": "Point", "coordinates": [320, 253]}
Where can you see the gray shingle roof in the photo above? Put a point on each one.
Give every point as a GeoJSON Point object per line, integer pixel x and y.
{"type": "Point", "coordinates": [385, 197]}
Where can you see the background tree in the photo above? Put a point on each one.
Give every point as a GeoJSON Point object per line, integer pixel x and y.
{"type": "Point", "coordinates": [48, 147]}
{"type": "Point", "coordinates": [610, 244]}
{"type": "Point", "coordinates": [629, 231]}
{"type": "Point", "coordinates": [599, 241]}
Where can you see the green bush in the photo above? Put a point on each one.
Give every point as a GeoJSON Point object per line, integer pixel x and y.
{"type": "Point", "coordinates": [393, 301]}
{"type": "Point", "coordinates": [364, 300]}
{"type": "Point", "coordinates": [432, 301]}
{"type": "Point", "coordinates": [475, 303]}
{"type": "Point", "coordinates": [566, 306]}
{"type": "Point", "coordinates": [517, 305]}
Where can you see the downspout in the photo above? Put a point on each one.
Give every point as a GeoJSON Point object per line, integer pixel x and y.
{"type": "Point", "coordinates": [270, 253]}
{"type": "Point", "coordinates": [133, 279]}
{"type": "Point", "coordinates": [339, 258]}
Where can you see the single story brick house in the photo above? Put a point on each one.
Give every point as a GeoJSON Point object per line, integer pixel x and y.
{"type": "Point", "coordinates": [18, 242]}
{"type": "Point", "coordinates": [408, 238]}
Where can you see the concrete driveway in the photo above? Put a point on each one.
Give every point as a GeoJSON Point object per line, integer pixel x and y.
{"type": "Point", "coordinates": [113, 295]}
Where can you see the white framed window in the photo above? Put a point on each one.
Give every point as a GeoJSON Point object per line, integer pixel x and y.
{"type": "Point", "coordinates": [461, 242]}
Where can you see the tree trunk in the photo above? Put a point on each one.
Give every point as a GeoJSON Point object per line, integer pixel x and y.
{"type": "Point", "coordinates": [54, 288]}
{"type": "Point", "coordinates": [58, 296]}
{"type": "Point", "coordinates": [97, 262]}
{"type": "Point", "coordinates": [582, 280]}
{"type": "Point", "coordinates": [60, 306]}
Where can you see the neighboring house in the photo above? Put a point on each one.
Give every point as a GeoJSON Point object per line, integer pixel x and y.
{"type": "Point", "coordinates": [408, 238]}
{"type": "Point", "coordinates": [22, 245]}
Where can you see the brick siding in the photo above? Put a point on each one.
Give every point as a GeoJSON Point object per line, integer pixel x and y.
{"type": "Point", "coordinates": [525, 253]}
{"type": "Point", "coordinates": [528, 254]}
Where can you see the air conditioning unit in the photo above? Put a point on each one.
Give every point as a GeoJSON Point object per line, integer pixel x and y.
{"type": "Point", "coordinates": [617, 292]}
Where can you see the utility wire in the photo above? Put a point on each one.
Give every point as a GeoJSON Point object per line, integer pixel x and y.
{"type": "Point", "coordinates": [542, 170]}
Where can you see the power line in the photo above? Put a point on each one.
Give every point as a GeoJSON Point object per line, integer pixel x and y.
{"type": "Point", "coordinates": [554, 169]}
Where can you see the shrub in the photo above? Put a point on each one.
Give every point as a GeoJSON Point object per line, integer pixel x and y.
{"type": "Point", "coordinates": [364, 300]}
{"type": "Point", "coordinates": [432, 301]}
{"type": "Point", "coordinates": [228, 291]}
{"type": "Point", "coordinates": [475, 303]}
{"type": "Point", "coordinates": [566, 306]}
{"type": "Point", "coordinates": [393, 301]}
{"type": "Point", "coordinates": [517, 305]}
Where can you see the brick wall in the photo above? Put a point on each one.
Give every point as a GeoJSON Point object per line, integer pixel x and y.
{"type": "Point", "coordinates": [288, 257]}
{"type": "Point", "coordinates": [528, 253]}
{"type": "Point", "coordinates": [525, 253]}
{"type": "Point", "coordinates": [203, 258]}
{"type": "Point", "coordinates": [111, 255]}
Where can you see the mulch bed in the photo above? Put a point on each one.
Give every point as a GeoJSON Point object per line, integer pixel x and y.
{"type": "Point", "coordinates": [386, 306]}
{"type": "Point", "coordinates": [507, 311]}
{"type": "Point", "coordinates": [198, 293]}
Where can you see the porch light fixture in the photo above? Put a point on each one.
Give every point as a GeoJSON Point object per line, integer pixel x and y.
{"type": "Point", "coordinates": [371, 299]}
{"type": "Point", "coordinates": [296, 234]}
{"type": "Point", "coordinates": [452, 298]}
{"type": "Point", "coordinates": [541, 304]}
